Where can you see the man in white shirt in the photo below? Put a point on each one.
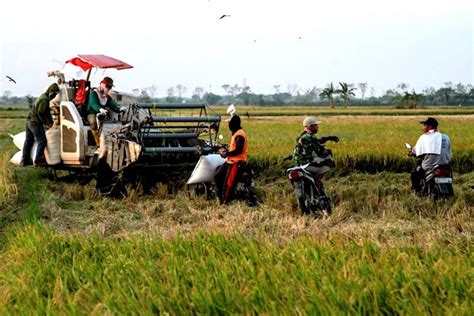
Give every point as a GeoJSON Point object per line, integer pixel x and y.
{"type": "Point", "coordinates": [433, 148]}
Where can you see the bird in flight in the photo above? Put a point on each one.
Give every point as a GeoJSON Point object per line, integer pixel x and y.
{"type": "Point", "coordinates": [224, 16]}
{"type": "Point", "coordinates": [11, 79]}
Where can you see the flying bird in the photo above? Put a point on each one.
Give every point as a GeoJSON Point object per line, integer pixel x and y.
{"type": "Point", "coordinates": [11, 79]}
{"type": "Point", "coordinates": [224, 16]}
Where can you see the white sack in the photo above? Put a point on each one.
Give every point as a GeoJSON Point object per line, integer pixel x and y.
{"type": "Point", "coordinates": [52, 152]}
{"type": "Point", "coordinates": [16, 159]}
{"type": "Point", "coordinates": [206, 169]}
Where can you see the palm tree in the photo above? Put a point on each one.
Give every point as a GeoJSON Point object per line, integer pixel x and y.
{"type": "Point", "coordinates": [327, 94]}
{"type": "Point", "coordinates": [346, 91]}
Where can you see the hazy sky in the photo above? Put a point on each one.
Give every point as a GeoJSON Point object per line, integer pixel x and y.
{"type": "Point", "coordinates": [265, 42]}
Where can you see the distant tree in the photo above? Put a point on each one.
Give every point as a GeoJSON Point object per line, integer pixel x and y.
{"type": "Point", "coordinates": [448, 84]}
{"type": "Point", "coordinates": [328, 93]}
{"type": "Point", "coordinates": [152, 90]}
{"type": "Point", "coordinates": [6, 95]}
{"type": "Point", "coordinates": [246, 89]}
{"type": "Point", "coordinates": [346, 92]}
{"type": "Point", "coordinates": [211, 98]}
{"type": "Point", "coordinates": [428, 91]}
{"type": "Point", "coordinates": [415, 99]}
{"type": "Point", "coordinates": [402, 86]}
{"type": "Point", "coordinates": [226, 88]}
{"type": "Point", "coordinates": [410, 100]}
{"type": "Point", "coordinates": [372, 92]}
{"type": "Point", "coordinates": [461, 89]}
{"type": "Point", "coordinates": [235, 90]}
{"type": "Point", "coordinates": [363, 87]}
{"type": "Point", "coordinates": [144, 97]}
{"type": "Point", "coordinates": [180, 90]}
{"type": "Point", "coordinates": [292, 88]}
{"type": "Point", "coordinates": [277, 88]}
{"type": "Point", "coordinates": [197, 93]}
{"type": "Point", "coordinates": [444, 95]}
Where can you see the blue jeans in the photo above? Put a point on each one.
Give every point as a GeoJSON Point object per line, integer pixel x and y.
{"type": "Point", "coordinates": [34, 131]}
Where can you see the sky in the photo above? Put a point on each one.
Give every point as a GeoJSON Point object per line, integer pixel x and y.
{"type": "Point", "coordinates": [263, 43]}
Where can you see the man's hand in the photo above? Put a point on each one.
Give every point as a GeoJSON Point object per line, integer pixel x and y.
{"type": "Point", "coordinates": [123, 109]}
{"type": "Point", "coordinates": [103, 112]}
{"type": "Point", "coordinates": [223, 152]}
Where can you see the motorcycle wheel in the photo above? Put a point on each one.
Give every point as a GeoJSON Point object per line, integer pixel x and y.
{"type": "Point", "coordinates": [303, 200]}
{"type": "Point", "coordinates": [325, 205]}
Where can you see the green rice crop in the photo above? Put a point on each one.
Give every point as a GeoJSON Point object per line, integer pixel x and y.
{"type": "Point", "coordinates": [46, 273]}
{"type": "Point", "coordinates": [64, 249]}
{"type": "Point", "coordinates": [368, 143]}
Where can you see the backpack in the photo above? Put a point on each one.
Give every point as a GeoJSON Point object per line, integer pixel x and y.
{"type": "Point", "coordinates": [81, 93]}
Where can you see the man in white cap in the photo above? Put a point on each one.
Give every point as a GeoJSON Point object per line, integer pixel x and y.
{"type": "Point", "coordinates": [309, 148]}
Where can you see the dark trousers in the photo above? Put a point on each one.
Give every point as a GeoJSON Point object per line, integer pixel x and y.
{"type": "Point", "coordinates": [416, 176]}
{"type": "Point", "coordinates": [226, 179]}
{"type": "Point", "coordinates": [34, 131]}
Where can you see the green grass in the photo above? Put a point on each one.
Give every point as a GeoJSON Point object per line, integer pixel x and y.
{"type": "Point", "coordinates": [211, 274]}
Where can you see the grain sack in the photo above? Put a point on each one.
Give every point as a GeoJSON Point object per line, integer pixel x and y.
{"type": "Point", "coordinates": [206, 169]}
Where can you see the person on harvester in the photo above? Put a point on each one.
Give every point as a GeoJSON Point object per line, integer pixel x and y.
{"type": "Point", "coordinates": [100, 101]}
{"type": "Point", "coordinates": [236, 156]}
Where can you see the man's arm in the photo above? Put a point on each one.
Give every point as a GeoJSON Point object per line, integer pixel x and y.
{"type": "Point", "coordinates": [111, 104]}
{"type": "Point", "coordinates": [323, 140]}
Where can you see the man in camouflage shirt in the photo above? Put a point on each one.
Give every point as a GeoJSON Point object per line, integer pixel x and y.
{"type": "Point", "coordinates": [308, 147]}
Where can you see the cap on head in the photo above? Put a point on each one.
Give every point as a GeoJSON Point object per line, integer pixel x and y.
{"type": "Point", "coordinates": [108, 81]}
{"type": "Point", "coordinates": [310, 120]}
{"type": "Point", "coordinates": [430, 121]}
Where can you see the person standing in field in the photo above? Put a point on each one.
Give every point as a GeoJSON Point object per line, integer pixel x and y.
{"type": "Point", "coordinates": [432, 148]}
{"type": "Point", "coordinates": [236, 156]}
{"type": "Point", "coordinates": [309, 149]}
{"type": "Point", "coordinates": [38, 120]}
{"type": "Point", "coordinates": [100, 101]}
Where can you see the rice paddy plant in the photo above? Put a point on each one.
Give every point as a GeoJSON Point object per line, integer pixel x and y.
{"type": "Point", "coordinates": [368, 144]}
{"type": "Point", "coordinates": [44, 272]}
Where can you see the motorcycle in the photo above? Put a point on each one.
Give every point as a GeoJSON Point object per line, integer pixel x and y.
{"type": "Point", "coordinates": [437, 182]}
{"type": "Point", "coordinates": [245, 189]}
{"type": "Point", "coordinates": [310, 193]}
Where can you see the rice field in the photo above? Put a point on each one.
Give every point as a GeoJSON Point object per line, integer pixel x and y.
{"type": "Point", "coordinates": [65, 249]}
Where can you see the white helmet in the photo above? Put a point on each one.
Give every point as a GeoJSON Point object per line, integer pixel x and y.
{"type": "Point", "coordinates": [310, 120]}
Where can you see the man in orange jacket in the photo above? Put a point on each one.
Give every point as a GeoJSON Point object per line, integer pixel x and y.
{"type": "Point", "coordinates": [227, 174]}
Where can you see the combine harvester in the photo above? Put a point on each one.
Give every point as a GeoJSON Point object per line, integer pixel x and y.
{"type": "Point", "coordinates": [149, 143]}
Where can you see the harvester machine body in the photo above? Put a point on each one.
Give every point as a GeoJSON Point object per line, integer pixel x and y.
{"type": "Point", "coordinates": [162, 138]}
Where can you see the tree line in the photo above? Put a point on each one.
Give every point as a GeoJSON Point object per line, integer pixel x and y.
{"type": "Point", "coordinates": [341, 94]}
